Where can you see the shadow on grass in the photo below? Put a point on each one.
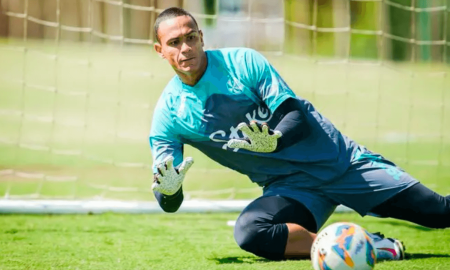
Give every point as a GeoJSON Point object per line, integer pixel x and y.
{"type": "Point", "coordinates": [239, 260]}
{"type": "Point", "coordinates": [253, 259]}
{"type": "Point", "coordinates": [247, 260]}
{"type": "Point", "coordinates": [417, 256]}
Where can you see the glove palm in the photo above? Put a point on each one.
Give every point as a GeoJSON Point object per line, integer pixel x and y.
{"type": "Point", "coordinates": [259, 140]}
{"type": "Point", "coordinates": [169, 179]}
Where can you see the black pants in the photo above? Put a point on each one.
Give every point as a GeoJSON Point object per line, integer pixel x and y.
{"type": "Point", "coordinates": [417, 204]}
{"type": "Point", "coordinates": [261, 228]}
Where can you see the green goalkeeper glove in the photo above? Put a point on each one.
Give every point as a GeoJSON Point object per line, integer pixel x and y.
{"type": "Point", "coordinates": [169, 179]}
{"type": "Point", "coordinates": [258, 140]}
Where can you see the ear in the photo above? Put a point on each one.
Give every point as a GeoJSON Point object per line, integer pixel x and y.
{"type": "Point", "coordinates": [201, 37]}
{"type": "Point", "coordinates": [158, 49]}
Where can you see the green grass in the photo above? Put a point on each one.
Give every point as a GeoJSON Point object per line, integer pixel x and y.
{"type": "Point", "coordinates": [177, 241]}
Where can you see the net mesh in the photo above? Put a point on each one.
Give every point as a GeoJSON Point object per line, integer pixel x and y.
{"type": "Point", "coordinates": [79, 81]}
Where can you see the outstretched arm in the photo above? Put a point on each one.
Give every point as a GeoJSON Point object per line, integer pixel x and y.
{"type": "Point", "coordinates": [291, 129]}
{"type": "Point", "coordinates": [169, 169]}
{"type": "Point", "coordinates": [266, 86]}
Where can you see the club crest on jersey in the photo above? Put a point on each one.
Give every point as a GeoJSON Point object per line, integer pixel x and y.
{"type": "Point", "coordinates": [235, 86]}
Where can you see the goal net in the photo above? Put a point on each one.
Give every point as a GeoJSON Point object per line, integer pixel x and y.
{"type": "Point", "coordinates": [79, 81]}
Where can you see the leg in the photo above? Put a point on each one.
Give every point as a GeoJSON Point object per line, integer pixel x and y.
{"type": "Point", "coordinates": [370, 181]}
{"type": "Point", "coordinates": [276, 228]}
{"type": "Point", "coordinates": [417, 204]}
{"type": "Point", "coordinates": [299, 242]}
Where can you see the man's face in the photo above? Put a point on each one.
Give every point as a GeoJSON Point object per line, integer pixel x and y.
{"type": "Point", "coordinates": [181, 43]}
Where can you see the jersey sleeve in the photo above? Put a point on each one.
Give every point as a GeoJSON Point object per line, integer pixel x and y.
{"type": "Point", "coordinates": [164, 140]}
{"type": "Point", "coordinates": [265, 80]}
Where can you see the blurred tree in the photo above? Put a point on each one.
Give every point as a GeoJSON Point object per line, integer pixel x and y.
{"type": "Point", "coordinates": [365, 15]}
{"type": "Point", "coordinates": [210, 7]}
{"type": "Point", "coordinates": [298, 41]}
{"type": "Point", "coordinates": [319, 13]}
{"type": "Point", "coordinates": [399, 23]}
{"type": "Point", "coordinates": [325, 44]}
{"type": "Point", "coordinates": [424, 30]}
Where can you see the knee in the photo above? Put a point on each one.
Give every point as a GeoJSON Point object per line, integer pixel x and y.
{"type": "Point", "coordinates": [246, 232]}
{"type": "Point", "coordinates": [260, 237]}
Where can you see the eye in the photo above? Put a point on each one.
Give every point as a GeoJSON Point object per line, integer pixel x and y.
{"type": "Point", "coordinates": [173, 42]}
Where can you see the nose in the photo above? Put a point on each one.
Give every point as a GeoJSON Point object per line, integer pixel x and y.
{"type": "Point", "coordinates": [185, 47]}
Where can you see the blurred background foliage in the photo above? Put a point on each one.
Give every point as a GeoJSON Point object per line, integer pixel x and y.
{"type": "Point", "coordinates": [406, 19]}
{"type": "Point", "coordinates": [407, 30]}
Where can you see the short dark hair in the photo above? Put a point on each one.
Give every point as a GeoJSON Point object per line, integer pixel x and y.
{"type": "Point", "coordinates": [170, 13]}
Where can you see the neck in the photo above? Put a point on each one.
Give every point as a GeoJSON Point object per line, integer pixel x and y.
{"type": "Point", "coordinates": [192, 78]}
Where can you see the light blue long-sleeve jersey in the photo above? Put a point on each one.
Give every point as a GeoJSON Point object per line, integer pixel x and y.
{"type": "Point", "coordinates": [240, 85]}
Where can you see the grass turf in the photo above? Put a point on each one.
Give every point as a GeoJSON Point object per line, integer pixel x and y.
{"type": "Point", "coordinates": [177, 241]}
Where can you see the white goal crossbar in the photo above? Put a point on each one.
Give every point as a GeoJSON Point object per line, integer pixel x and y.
{"type": "Point", "coordinates": [99, 207]}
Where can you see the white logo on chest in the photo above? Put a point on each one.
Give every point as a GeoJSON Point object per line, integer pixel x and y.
{"type": "Point", "coordinates": [260, 115]}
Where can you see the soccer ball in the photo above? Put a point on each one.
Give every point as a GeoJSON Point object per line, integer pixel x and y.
{"type": "Point", "coordinates": [343, 246]}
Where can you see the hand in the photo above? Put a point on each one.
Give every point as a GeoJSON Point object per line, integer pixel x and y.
{"type": "Point", "coordinates": [258, 140]}
{"type": "Point", "coordinates": [169, 179]}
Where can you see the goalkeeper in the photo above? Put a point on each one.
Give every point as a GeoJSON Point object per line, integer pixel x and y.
{"type": "Point", "coordinates": [233, 106]}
